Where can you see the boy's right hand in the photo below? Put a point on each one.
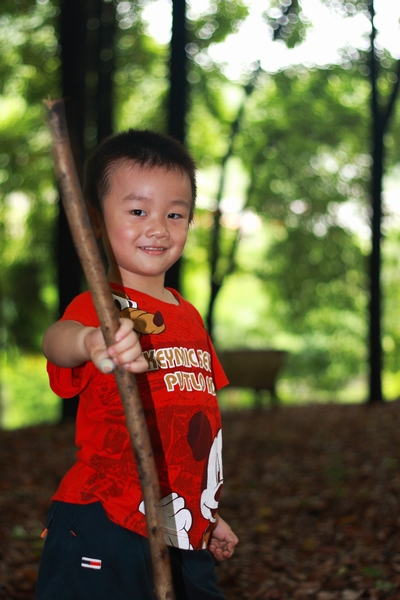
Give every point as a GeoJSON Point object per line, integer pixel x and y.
{"type": "Point", "coordinates": [69, 344]}
{"type": "Point", "coordinates": [126, 350]}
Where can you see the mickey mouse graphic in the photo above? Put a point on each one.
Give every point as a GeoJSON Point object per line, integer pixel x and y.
{"type": "Point", "coordinates": [204, 446]}
{"type": "Point", "coordinates": [177, 519]}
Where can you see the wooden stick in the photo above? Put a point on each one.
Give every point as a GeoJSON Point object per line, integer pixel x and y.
{"type": "Point", "coordinates": [93, 267]}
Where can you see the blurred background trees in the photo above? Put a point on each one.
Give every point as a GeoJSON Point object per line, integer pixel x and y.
{"type": "Point", "coordinates": [279, 253]}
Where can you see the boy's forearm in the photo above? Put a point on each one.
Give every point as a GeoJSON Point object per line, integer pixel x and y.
{"type": "Point", "coordinates": [64, 344]}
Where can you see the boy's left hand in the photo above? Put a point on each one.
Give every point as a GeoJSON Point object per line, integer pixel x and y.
{"type": "Point", "coordinates": [222, 540]}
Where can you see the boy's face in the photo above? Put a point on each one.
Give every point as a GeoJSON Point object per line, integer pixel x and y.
{"type": "Point", "coordinates": [145, 221]}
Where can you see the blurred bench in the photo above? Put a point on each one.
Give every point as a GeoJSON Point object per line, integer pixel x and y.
{"type": "Point", "coordinates": [255, 369]}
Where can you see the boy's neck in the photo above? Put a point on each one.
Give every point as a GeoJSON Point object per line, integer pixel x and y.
{"type": "Point", "coordinates": [147, 285]}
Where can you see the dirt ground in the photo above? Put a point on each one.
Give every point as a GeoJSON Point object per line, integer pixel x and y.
{"type": "Point", "coordinates": [313, 493]}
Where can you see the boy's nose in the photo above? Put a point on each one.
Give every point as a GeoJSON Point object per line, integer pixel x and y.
{"type": "Point", "coordinates": [157, 228]}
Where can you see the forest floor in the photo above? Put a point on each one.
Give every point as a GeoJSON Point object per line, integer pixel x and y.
{"type": "Point", "coordinates": [313, 492]}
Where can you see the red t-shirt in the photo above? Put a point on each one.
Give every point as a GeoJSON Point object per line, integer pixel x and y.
{"type": "Point", "coordinates": [178, 396]}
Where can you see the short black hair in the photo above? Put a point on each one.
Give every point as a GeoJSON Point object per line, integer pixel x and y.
{"type": "Point", "coordinates": [143, 147]}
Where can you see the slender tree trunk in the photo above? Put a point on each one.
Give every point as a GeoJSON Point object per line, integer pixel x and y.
{"type": "Point", "coordinates": [375, 308]}
{"type": "Point", "coordinates": [380, 118]}
{"type": "Point", "coordinates": [375, 334]}
{"type": "Point", "coordinates": [99, 71]}
{"type": "Point", "coordinates": [216, 281]}
{"type": "Point", "coordinates": [105, 95]}
{"type": "Point", "coordinates": [177, 102]}
{"type": "Point", "coordinates": [73, 52]}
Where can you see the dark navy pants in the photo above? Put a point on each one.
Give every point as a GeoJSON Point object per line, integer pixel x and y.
{"type": "Point", "coordinates": [88, 557]}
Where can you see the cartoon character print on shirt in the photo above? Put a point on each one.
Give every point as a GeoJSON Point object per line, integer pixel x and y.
{"type": "Point", "coordinates": [176, 521]}
{"type": "Point", "coordinates": [176, 518]}
{"type": "Point", "coordinates": [204, 446]}
{"type": "Point", "coordinates": [143, 321]}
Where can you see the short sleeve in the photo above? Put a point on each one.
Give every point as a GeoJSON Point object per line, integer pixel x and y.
{"type": "Point", "coordinates": [66, 382]}
{"type": "Point", "coordinates": [220, 379]}
{"type": "Point", "coordinates": [81, 309]}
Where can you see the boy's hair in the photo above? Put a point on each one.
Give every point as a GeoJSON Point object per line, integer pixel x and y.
{"type": "Point", "coordinates": [145, 148]}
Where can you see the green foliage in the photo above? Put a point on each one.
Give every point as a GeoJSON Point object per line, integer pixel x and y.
{"type": "Point", "coordinates": [212, 23]}
{"type": "Point", "coordinates": [287, 21]}
{"type": "Point", "coordinates": [305, 145]}
{"type": "Point", "coordinates": [25, 396]}
{"type": "Point", "coordinates": [304, 138]}
{"type": "Point", "coordinates": [28, 73]}
{"type": "Point", "coordinates": [391, 294]}
{"type": "Point", "coordinates": [309, 272]}
{"type": "Point", "coordinates": [141, 76]}
{"type": "Point", "coordinates": [302, 144]}
{"type": "Point", "coordinates": [302, 154]}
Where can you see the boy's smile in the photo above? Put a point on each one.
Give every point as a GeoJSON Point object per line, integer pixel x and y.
{"type": "Point", "coordinates": [144, 223]}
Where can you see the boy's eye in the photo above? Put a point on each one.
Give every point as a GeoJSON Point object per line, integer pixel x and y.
{"type": "Point", "coordinates": [138, 212]}
{"type": "Point", "coordinates": [174, 216]}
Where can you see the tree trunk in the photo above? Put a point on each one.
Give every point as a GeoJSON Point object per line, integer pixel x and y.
{"type": "Point", "coordinates": [380, 118]}
{"type": "Point", "coordinates": [375, 333]}
{"type": "Point", "coordinates": [177, 102]}
{"type": "Point", "coordinates": [73, 54]}
{"type": "Point", "coordinates": [105, 69]}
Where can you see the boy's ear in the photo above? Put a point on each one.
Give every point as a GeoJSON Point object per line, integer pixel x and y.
{"type": "Point", "coordinates": [95, 219]}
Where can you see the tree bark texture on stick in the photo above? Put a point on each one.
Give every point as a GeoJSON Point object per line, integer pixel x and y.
{"type": "Point", "coordinates": [107, 313]}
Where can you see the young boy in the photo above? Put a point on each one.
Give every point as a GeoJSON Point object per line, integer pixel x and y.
{"type": "Point", "coordinates": [140, 187]}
